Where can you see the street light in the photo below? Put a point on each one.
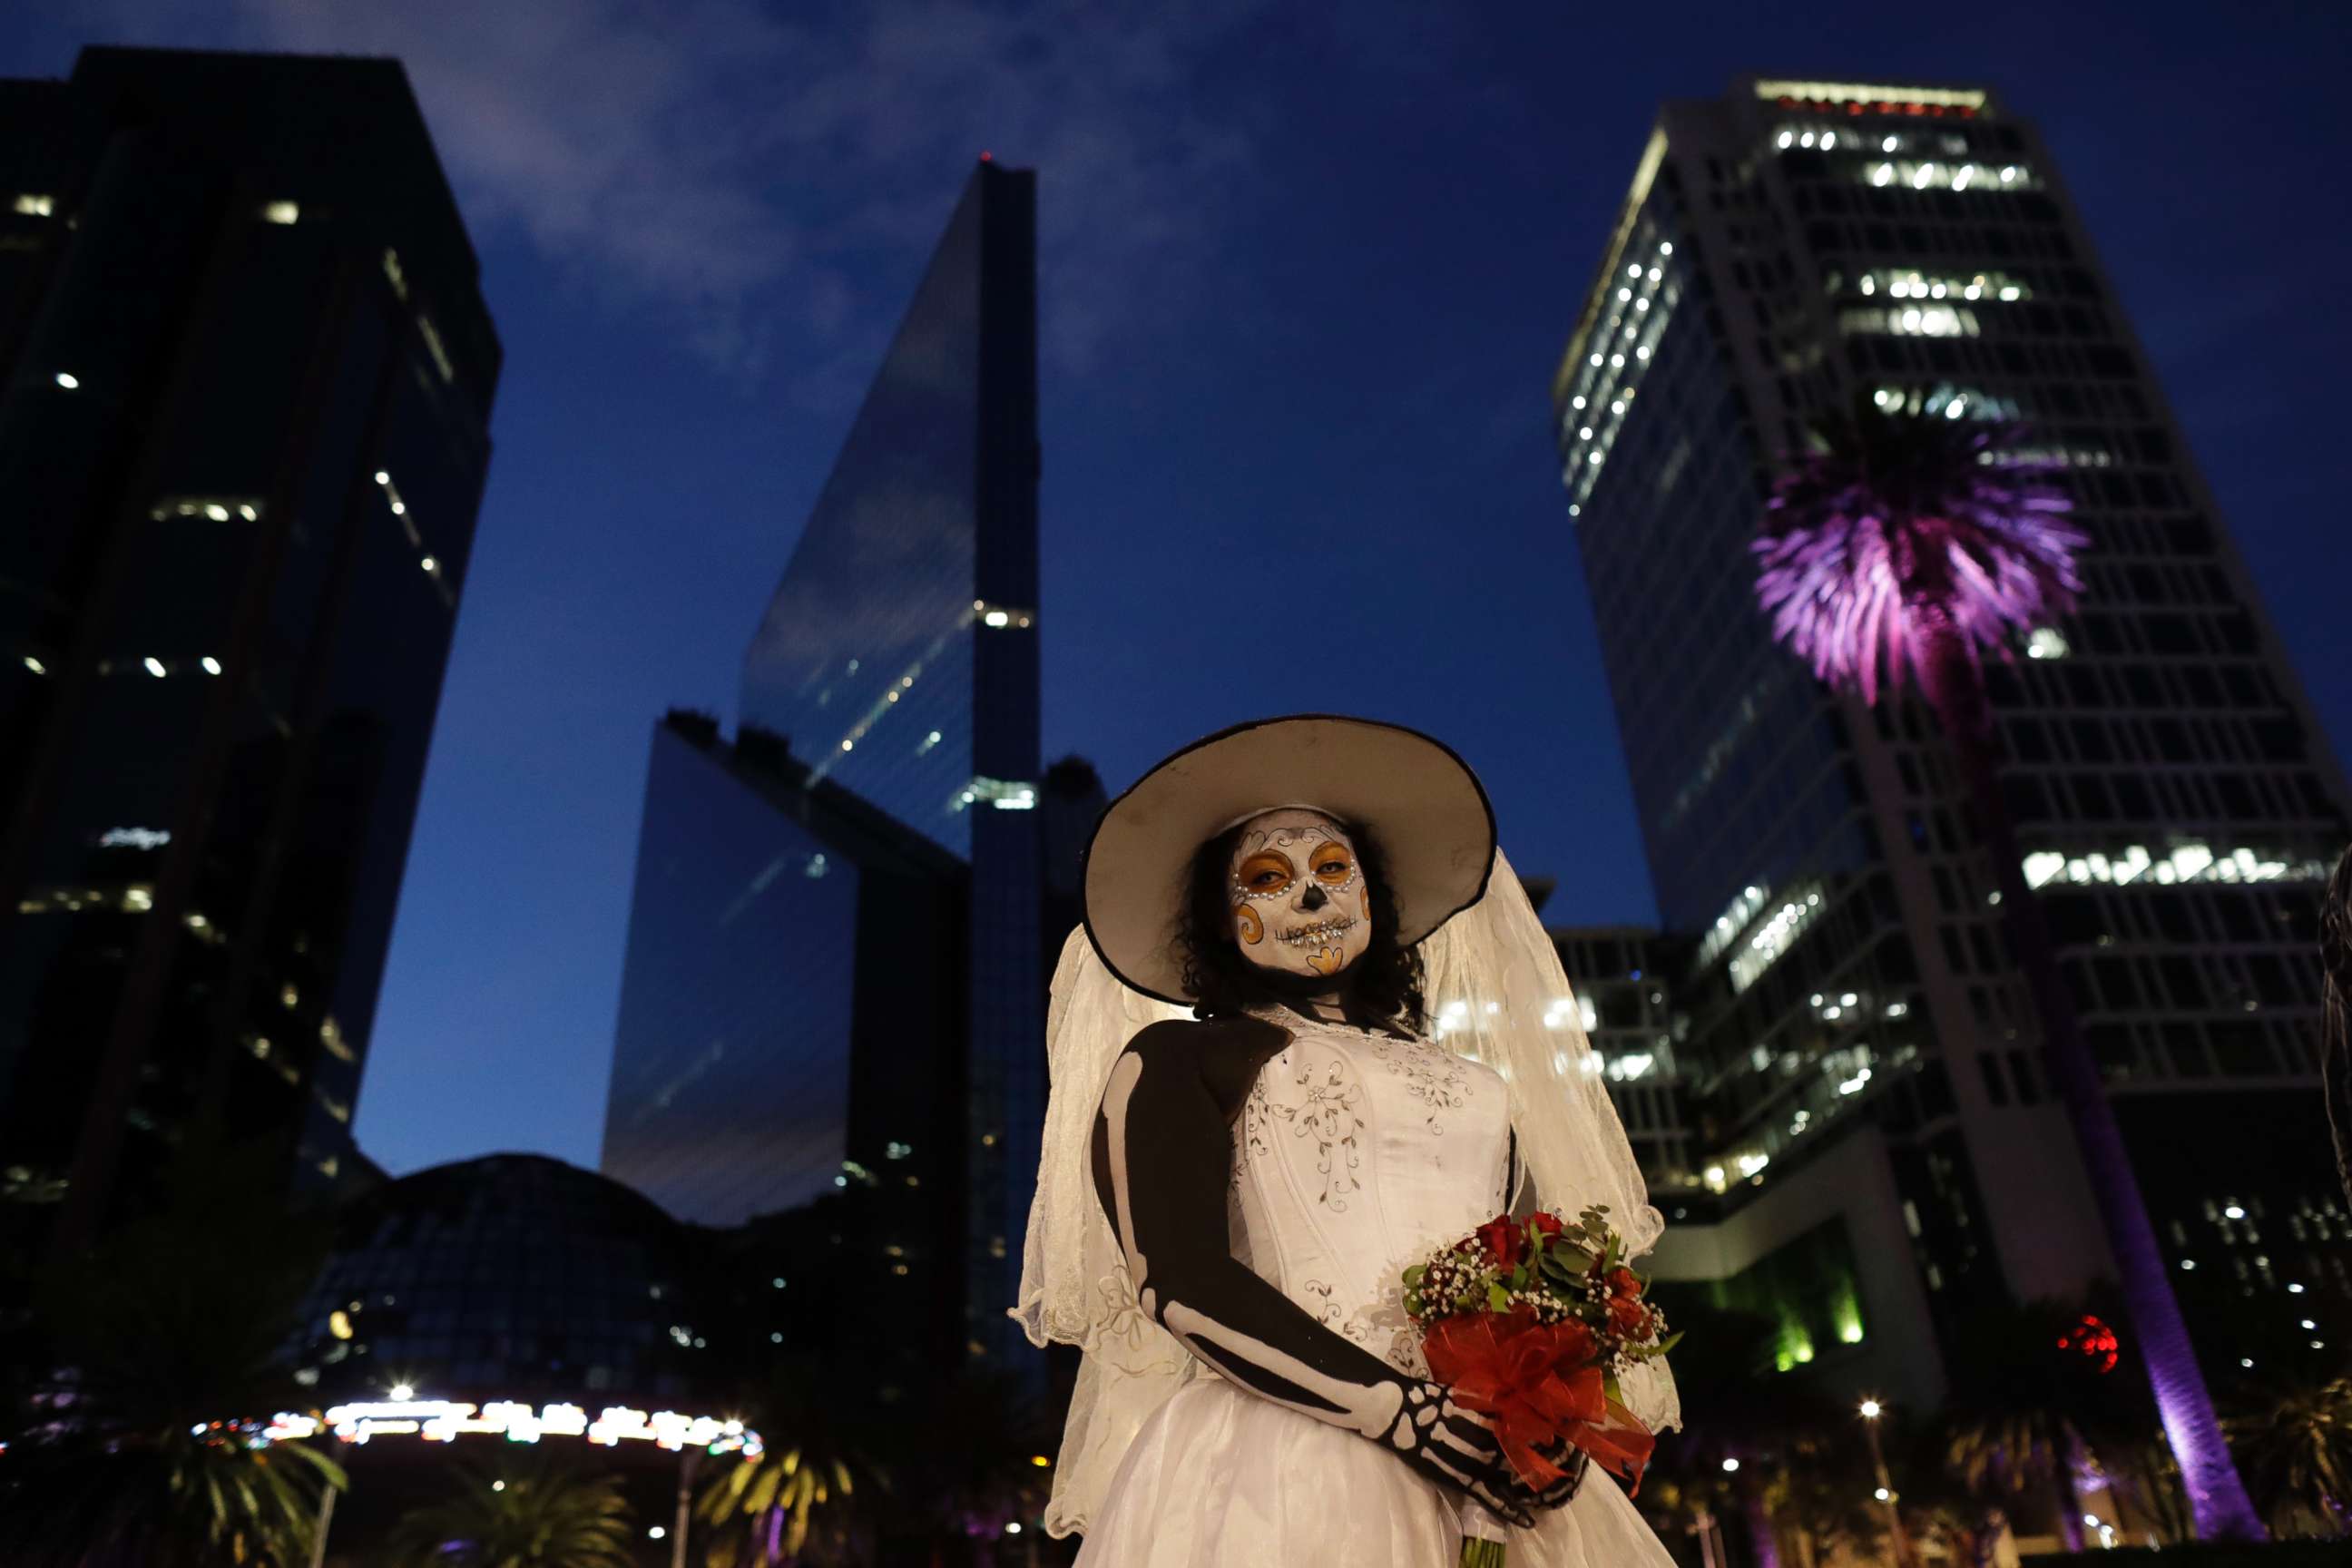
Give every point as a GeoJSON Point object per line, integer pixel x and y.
{"type": "Point", "coordinates": [1871, 1411]}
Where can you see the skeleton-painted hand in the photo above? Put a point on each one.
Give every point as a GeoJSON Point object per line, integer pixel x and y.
{"type": "Point", "coordinates": [1456, 1448]}
{"type": "Point", "coordinates": [1562, 1492]}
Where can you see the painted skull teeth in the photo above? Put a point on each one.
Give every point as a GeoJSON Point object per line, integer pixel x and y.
{"type": "Point", "coordinates": [1316, 934]}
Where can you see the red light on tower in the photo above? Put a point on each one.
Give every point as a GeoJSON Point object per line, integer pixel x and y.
{"type": "Point", "coordinates": [2093, 1339]}
{"type": "Point", "coordinates": [988, 157]}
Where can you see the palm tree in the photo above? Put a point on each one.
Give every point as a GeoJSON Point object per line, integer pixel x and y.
{"type": "Point", "coordinates": [801, 1496]}
{"type": "Point", "coordinates": [519, 1509]}
{"type": "Point", "coordinates": [1920, 541]}
{"type": "Point", "coordinates": [157, 1350]}
{"type": "Point", "coordinates": [2297, 1444]}
{"type": "Point", "coordinates": [978, 1464]}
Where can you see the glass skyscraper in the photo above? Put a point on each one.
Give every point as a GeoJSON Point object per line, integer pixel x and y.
{"type": "Point", "coordinates": [1858, 1047]}
{"type": "Point", "coordinates": [893, 673]}
{"type": "Point", "coordinates": [244, 433]}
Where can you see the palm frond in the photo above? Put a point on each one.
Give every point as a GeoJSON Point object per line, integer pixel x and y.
{"type": "Point", "coordinates": [1901, 522]}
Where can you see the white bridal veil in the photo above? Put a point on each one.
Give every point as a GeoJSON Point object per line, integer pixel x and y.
{"type": "Point", "coordinates": [1495, 994]}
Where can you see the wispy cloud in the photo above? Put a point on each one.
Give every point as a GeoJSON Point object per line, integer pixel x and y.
{"type": "Point", "coordinates": [743, 168]}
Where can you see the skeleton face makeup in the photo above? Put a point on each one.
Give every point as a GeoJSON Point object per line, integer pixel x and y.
{"type": "Point", "coordinates": [1299, 900]}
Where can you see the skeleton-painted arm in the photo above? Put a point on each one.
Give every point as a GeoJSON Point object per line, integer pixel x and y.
{"type": "Point", "coordinates": [1163, 1161]}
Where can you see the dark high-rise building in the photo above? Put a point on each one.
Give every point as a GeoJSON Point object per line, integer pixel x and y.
{"type": "Point", "coordinates": [895, 676]}
{"type": "Point", "coordinates": [244, 432]}
{"type": "Point", "coordinates": [1860, 1050]}
{"type": "Point", "coordinates": [790, 1052]}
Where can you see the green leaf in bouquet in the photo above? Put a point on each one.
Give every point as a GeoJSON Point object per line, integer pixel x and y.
{"type": "Point", "coordinates": [1499, 1298]}
{"type": "Point", "coordinates": [1669, 1343]}
{"type": "Point", "coordinates": [1412, 1274]}
{"type": "Point", "coordinates": [1562, 1270]}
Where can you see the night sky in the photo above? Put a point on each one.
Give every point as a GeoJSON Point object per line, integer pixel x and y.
{"type": "Point", "coordinates": [1305, 271]}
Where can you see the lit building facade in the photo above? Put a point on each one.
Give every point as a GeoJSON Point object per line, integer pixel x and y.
{"type": "Point", "coordinates": [895, 668]}
{"type": "Point", "coordinates": [1859, 1045]}
{"type": "Point", "coordinates": [1622, 979]}
{"type": "Point", "coordinates": [244, 430]}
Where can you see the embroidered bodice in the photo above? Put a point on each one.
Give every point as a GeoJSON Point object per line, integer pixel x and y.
{"type": "Point", "coordinates": [1355, 1155]}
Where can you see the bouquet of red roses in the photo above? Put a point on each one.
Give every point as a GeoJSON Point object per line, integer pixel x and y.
{"type": "Point", "coordinates": [1529, 1322]}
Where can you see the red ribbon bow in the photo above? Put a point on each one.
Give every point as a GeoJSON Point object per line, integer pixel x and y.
{"type": "Point", "coordinates": [1539, 1385]}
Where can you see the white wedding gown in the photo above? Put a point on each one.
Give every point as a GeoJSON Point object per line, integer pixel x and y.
{"type": "Point", "coordinates": [1354, 1157]}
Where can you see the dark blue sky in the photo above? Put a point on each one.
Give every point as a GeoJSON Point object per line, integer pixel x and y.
{"type": "Point", "coordinates": [1305, 273]}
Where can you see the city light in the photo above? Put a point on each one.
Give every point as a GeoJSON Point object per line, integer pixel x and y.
{"type": "Point", "coordinates": [1870, 1409]}
{"type": "Point", "coordinates": [444, 1421]}
{"type": "Point", "coordinates": [2188, 860]}
{"type": "Point", "coordinates": [67, 381]}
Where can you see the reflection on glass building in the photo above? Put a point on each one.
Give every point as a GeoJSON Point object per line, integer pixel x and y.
{"type": "Point", "coordinates": [1858, 1045]}
{"type": "Point", "coordinates": [834, 979]}
{"type": "Point", "coordinates": [244, 433]}
{"type": "Point", "coordinates": [510, 1278]}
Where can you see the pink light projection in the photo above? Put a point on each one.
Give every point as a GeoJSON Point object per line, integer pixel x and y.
{"type": "Point", "coordinates": [1908, 529]}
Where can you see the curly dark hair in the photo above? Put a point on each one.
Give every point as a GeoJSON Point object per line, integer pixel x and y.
{"type": "Point", "coordinates": [1383, 986]}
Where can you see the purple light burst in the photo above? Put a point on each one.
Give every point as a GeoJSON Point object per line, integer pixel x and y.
{"type": "Point", "coordinates": [1907, 528]}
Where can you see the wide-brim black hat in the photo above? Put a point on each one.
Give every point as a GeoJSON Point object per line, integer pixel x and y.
{"type": "Point", "coordinates": [1413, 793]}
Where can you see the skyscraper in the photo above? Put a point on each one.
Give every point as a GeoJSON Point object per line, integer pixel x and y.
{"type": "Point", "coordinates": [1860, 1050]}
{"type": "Point", "coordinates": [244, 433]}
{"type": "Point", "coordinates": [897, 664]}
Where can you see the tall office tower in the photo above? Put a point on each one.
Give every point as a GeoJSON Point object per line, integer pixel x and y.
{"type": "Point", "coordinates": [898, 662]}
{"type": "Point", "coordinates": [1623, 978]}
{"type": "Point", "coordinates": [789, 1050]}
{"type": "Point", "coordinates": [243, 434]}
{"type": "Point", "coordinates": [1863, 1051]}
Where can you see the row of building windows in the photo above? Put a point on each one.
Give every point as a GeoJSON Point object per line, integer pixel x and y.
{"type": "Point", "coordinates": [2272, 797]}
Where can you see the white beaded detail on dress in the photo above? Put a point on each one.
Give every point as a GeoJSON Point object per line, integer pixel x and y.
{"type": "Point", "coordinates": [1339, 1184]}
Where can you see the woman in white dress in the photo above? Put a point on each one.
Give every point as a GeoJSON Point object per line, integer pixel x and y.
{"type": "Point", "coordinates": [1311, 1032]}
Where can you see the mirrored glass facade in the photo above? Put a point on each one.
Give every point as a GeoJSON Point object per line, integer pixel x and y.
{"type": "Point", "coordinates": [898, 658]}
{"type": "Point", "coordinates": [513, 1277]}
{"type": "Point", "coordinates": [245, 433]}
{"type": "Point", "coordinates": [731, 1066]}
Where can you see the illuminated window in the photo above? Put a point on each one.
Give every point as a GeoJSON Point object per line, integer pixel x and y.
{"type": "Point", "coordinates": [1935, 174]}
{"type": "Point", "coordinates": [1878, 99]}
{"type": "Point", "coordinates": [1981, 287]}
{"type": "Point", "coordinates": [2190, 860]}
{"type": "Point", "coordinates": [33, 205]}
{"type": "Point", "coordinates": [1912, 320]}
{"type": "Point", "coordinates": [1002, 793]}
{"type": "Point", "coordinates": [213, 509]}
{"type": "Point", "coordinates": [998, 618]}
{"type": "Point", "coordinates": [433, 346]}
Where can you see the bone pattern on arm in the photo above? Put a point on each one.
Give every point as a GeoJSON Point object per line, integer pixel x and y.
{"type": "Point", "coordinates": [1162, 1159]}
